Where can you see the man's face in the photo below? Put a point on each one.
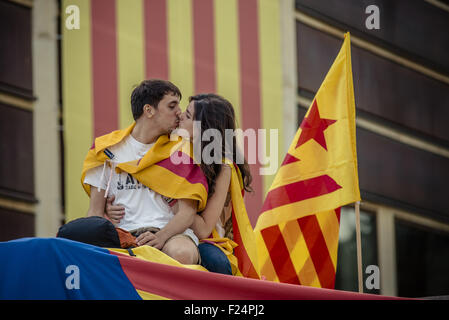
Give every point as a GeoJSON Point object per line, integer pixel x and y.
{"type": "Point", "coordinates": [167, 113]}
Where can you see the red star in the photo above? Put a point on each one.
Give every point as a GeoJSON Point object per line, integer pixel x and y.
{"type": "Point", "coordinates": [313, 127]}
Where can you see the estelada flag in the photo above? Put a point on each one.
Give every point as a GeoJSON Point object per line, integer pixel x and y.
{"type": "Point", "coordinates": [297, 231]}
{"type": "Point", "coordinates": [157, 170]}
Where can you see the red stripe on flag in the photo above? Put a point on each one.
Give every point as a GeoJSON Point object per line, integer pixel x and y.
{"type": "Point", "coordinates": [318, 250]}
{"type": "Point", "coordinates": [156, 43]}
{"type": "Point", "coordinates": [289, 159]}
{"type": "Point", "coordinates": [279, 254]}
{"type": "Point", "coordinates": [338, 213]}
{"type": "Point", "coordinates": [186, 169]}
{"type": "Point", "coordinates": [182, 283]}
{"type": "Point", "coordinates": [298, 191]}
{"type": "Point", "coordinates": [204, 48]}
{"type": "Point", "coordinates": [250, 91]}
{"type": "Point", "coordinates": [104, 66]}
{"type": "Point", "coordinates": [245, 264]}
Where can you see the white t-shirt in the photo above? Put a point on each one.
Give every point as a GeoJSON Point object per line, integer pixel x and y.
{"type": "Point", "coordinates": [143, 206]}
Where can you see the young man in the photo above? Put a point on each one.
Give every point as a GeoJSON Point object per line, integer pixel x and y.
{"type": "Point", "coordinates": [156, 111]}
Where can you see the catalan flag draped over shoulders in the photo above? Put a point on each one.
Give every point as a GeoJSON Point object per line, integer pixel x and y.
{"type": "Point", "coordinates": [167, 168]}
{"type": "Point", "coordinates": [246, 250]}
{"type": "Point", "coordinates": [298, 229]}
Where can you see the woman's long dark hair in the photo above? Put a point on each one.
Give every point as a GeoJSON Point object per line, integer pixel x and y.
{"type": "Point", "coordinates": [215, 112]}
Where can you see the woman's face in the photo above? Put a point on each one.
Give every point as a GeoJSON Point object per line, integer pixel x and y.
{"type": "Point", "coordinates": [186, 120]}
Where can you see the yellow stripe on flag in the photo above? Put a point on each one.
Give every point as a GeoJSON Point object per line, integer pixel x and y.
{"type": "Point", "coordinates": [227, 53]}
{"type": "Point", "coordinates": [299, 252]}
{"type": "Point", "coordinates": [130, 54]}
{"type": "Point", "coordinates": [150, 296]}
{"type": "Point", "coordinates": [307, 275]}
{"type": "Point", "coordinates": [154, 255]}
{"type": "Point", "coordinates": [267, 270]}
{"type": "Point", "coordinates": [296, 245]}
{"type": "Point", "coordinates": [242, 220]}
{"type": "Point", "coordinates": [180, 47]}
{"type": "Point", "coordinates": [330, 229]}
{"type": "Point", "coordinates": [77, 111]}
{"type": "Point", "coordinates": [296, 210]}
{"type": "Point", "coordinates": [271, 79]}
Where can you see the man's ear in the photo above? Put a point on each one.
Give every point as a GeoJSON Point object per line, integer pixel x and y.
{"type": "Point", "coordinates": [148, 110]}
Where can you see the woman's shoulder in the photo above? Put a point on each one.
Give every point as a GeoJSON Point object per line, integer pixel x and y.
{"type": "Point", "coordinates": [226, 166]}
{"type": "Point", "coordinates": [227, 162]}
{"type": "Point", "coordinates": [225, 170]}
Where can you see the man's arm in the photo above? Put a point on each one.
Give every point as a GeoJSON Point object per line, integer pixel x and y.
{"type": "Point", "coordinates": [177, 225]}
{"type": "Point", "coordinates": [97, 190]}
{"type": "Point", "coordinates": [97, 202]}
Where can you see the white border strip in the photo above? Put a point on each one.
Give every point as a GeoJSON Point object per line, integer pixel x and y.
{"type": "Point", "coordinates": [438, 4]}
{"type": "Point", "coordinates": [17, 205]}
{"type": "Point", "coordinates": [16, 102]}
{"type": "Point", "coordinates": [406, 216]}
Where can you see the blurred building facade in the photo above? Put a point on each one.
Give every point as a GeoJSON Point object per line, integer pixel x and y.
{"type": "Point", "coordinates": [269, 58]}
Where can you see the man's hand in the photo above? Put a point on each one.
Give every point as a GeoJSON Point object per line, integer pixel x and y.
{"type": "Point", "coordinates": [114, 213]}
{"type": "Point", "coordinates": [177, 225]}
{"type": "Point", "coordinates": [156, 240]}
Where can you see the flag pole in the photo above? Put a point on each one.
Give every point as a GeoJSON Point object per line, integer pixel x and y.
{"type": "Point", "coordinates": [359, 246]}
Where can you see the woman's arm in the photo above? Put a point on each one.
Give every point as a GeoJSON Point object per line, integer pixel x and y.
{"type": "Point", "coordinates": [177, 225]}
{"type": "Point", "coordinates": [205, 222]}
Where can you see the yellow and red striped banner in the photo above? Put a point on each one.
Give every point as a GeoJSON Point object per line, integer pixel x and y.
{"type": "Point", "coordinates": [156, 169]}
{"type": "Point", "coordinates": [230, 47]}
{"type": "Point", "coordinates": [112, 274]}
{"type": "Point", "coordinates": [297, 231]}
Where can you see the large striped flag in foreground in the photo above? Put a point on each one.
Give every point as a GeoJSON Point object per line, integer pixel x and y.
{"type": "Point", "coordinates": [56, 268]}
{"type": "Point", "coordinates": [297, 231]}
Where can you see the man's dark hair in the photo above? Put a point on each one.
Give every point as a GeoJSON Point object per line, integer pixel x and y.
{"type": "Point", "coordinates": [151, 92]}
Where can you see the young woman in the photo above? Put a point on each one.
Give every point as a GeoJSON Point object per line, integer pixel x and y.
{"type": "Point", "coordinates": [215, 112]}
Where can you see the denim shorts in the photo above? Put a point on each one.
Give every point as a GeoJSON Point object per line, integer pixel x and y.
{"type": "Point", "coordinates": [213, 259]}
